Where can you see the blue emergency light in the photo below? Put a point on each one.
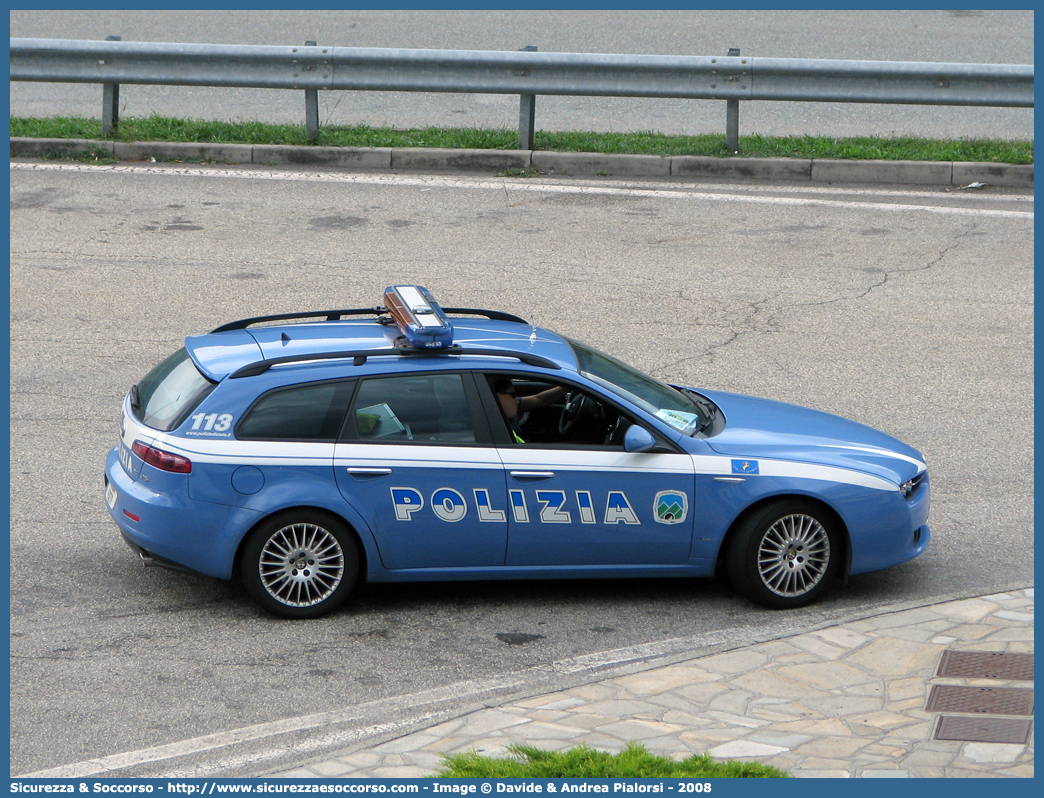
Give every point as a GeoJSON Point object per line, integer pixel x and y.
{"type": "Point", "coordinates": [419, 316]}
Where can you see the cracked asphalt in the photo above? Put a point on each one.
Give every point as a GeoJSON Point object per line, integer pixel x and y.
{"type": "Point", "coordinates": [908, 309]}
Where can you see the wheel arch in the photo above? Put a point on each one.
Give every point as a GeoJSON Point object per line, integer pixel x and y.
{"type": "Point", "coordinates": [237, 561]}
{"type": "Point", "coordinates": [835, 516]}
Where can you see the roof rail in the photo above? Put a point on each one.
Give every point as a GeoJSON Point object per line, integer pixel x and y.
{"type": "Point", "coordinates": [493, 315]}
{"type": "Point", "coordinates": [359, 358]}
{"type": "Point", "coordinates": [335, 315]}
{"type": "Point", "coordinates": [330, 315]}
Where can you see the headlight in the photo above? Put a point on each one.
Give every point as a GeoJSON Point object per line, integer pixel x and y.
{"type": "Point", "coordinates": [907, 488]}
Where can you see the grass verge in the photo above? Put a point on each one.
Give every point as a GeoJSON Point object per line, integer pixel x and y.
{"type": "Point", "coordinates": [634, 762]}
{"type": "Point", "coordinates": [160, 128]}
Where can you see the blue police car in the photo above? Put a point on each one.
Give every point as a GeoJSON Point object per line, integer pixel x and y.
{"type": "Point", "coordinates": [305, 452]}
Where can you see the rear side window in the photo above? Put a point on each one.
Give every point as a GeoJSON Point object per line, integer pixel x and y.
{"type": "Point", "coordinates": [170, 392]}
{"type": "Point", "coordinates": [429, 408]}
{"type": "Point", "coordinates": [310, 412]}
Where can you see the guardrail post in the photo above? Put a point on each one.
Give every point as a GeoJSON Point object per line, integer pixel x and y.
{"type": "Point", "coordinates": [527, 112]}
{"type": "Point", "coordinates": [311, 109]}
{"type": "Point", "coordinates": [732, 117]}
{"type": "Point", "coordinates": [111, 101]}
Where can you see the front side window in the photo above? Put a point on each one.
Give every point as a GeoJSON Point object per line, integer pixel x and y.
{"type": "Point", "coordinates": [427, 408]}
{"type": "Point", "coordinates": [543, 413]}
{"type": "Point", "coordinates": [170, 392]}
{"type": "Point", "coordinates": [302, 413]}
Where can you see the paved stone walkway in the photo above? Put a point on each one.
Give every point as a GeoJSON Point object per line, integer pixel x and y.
{"type": "Point", "coordinates": [845, 701]}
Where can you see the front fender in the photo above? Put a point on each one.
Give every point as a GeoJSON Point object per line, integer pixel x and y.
{"type": "Point", "coordinates": [881, 527]}
{"type": "Point", "coordinates": [720, 502]}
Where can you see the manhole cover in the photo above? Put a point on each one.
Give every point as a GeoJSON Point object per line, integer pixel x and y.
{"type": "Point", "coordinates": [981, 700]}
{"type": "Point", "coordinates": [987, 665]}
{"type": "Point", "coordinates": [983, 730]}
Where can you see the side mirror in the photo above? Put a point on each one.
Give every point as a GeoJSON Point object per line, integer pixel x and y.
{"type": "Point", "coordinates": [638, 439]}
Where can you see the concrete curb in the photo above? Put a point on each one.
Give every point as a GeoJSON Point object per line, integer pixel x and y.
{"type": "Point", "coordinates": [927, 173]}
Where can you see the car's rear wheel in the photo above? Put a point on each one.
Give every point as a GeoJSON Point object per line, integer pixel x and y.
{"type": "Point", "coordinates": [785, 555]}
{"type": "Point", "coordinates": [300, 564]}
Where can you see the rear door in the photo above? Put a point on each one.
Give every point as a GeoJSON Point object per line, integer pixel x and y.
{"type": "Point", "coordinates": [415, 460]}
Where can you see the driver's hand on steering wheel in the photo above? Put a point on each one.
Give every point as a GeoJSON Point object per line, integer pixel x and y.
{"type": "Point", "coordinates": [542, 399]}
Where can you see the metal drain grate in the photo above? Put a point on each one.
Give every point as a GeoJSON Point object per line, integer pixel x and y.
{"type": "Point", "coordinates": [981, 700]}
{"type": "Point", "coordinates": [983, 730]}
{"type": "Point", "coordinates": [987, 665]}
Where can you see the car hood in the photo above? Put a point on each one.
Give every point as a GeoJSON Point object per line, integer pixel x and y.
{"type": "Point", "coordinates": [762, 428]}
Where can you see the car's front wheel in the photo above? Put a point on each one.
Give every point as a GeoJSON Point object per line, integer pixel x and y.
{"type": "Point", "coordinates": [300, 564]}
{"type": "Point", "coordinates": [785, 554]}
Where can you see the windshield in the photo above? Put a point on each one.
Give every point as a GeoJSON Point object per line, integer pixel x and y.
{"type": "Point", "coordinates": [170, 392]}
{"type": "Point", "coordinates": [670, 405]}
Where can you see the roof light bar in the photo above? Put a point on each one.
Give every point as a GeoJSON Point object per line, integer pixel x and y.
{"type": "Point", "coordinates": [419, 316]}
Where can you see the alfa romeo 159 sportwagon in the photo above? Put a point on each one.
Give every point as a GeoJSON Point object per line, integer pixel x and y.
{"type": "Point", "coordinates": [302, 453]}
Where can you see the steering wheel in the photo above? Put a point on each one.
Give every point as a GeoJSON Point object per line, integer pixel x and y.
{"type": "Point", "coordinates": [614, 430]}
{"type": "Point", "coordinates": [575, 404]}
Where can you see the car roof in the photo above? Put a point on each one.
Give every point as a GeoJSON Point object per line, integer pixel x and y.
{"type": "Point", "coordinates": [254, 345]}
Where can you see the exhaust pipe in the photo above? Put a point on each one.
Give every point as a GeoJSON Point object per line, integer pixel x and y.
{"type": "Point", "coordinates": [146, 559]}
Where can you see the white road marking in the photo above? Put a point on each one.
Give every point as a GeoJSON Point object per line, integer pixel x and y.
{"type": "Point", "coordinates": [808, 195]}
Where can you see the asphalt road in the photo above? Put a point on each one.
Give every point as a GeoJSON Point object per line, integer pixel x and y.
{"type": "Point", "coordinates": [961, 36]}
{"type": "Point", "coordinates": [910, 310]}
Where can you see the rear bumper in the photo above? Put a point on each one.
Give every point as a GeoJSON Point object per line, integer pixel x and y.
{"type": "Point", "coordinates": [150, 560]}
{"type": "Point", "coordinates": [161, 522]}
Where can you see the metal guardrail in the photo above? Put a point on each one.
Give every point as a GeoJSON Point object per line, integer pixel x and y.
{"type": "Point", "coordinates": [526, 72]}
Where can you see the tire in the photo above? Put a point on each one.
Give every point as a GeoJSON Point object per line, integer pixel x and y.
{"type": "Point", "coordinates": [785, 555]}
{"type": "Point", "coordinates": [300, 564]}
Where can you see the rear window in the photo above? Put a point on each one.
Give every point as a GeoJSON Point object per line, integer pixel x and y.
{"type": "Point", "coordinates": [170, 392]}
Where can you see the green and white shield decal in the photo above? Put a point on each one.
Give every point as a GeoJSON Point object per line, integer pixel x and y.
{"type": "Point", "coordinates": [670, 507]}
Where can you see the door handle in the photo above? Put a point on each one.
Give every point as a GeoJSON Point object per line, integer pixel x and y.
{"type": "Point", "coordinates": [369, 472]}
{"type": "Point", "coordinates": [532, 474]}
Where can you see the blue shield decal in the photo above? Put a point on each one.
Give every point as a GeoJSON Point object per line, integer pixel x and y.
{"type": "Point", "coordinates": [744, 466]}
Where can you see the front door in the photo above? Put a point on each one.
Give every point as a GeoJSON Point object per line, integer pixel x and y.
{"type": "Point", "coordinates": [589, 507]}
{"type": "Point", "coordinates": [575, 496]}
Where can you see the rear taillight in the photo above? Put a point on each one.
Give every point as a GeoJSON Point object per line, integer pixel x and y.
{"type": "Point", "coordinates": [165, 461]}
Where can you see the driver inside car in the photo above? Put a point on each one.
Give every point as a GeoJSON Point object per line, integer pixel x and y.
{"type": "Point", "coordinates": [516, 408]}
